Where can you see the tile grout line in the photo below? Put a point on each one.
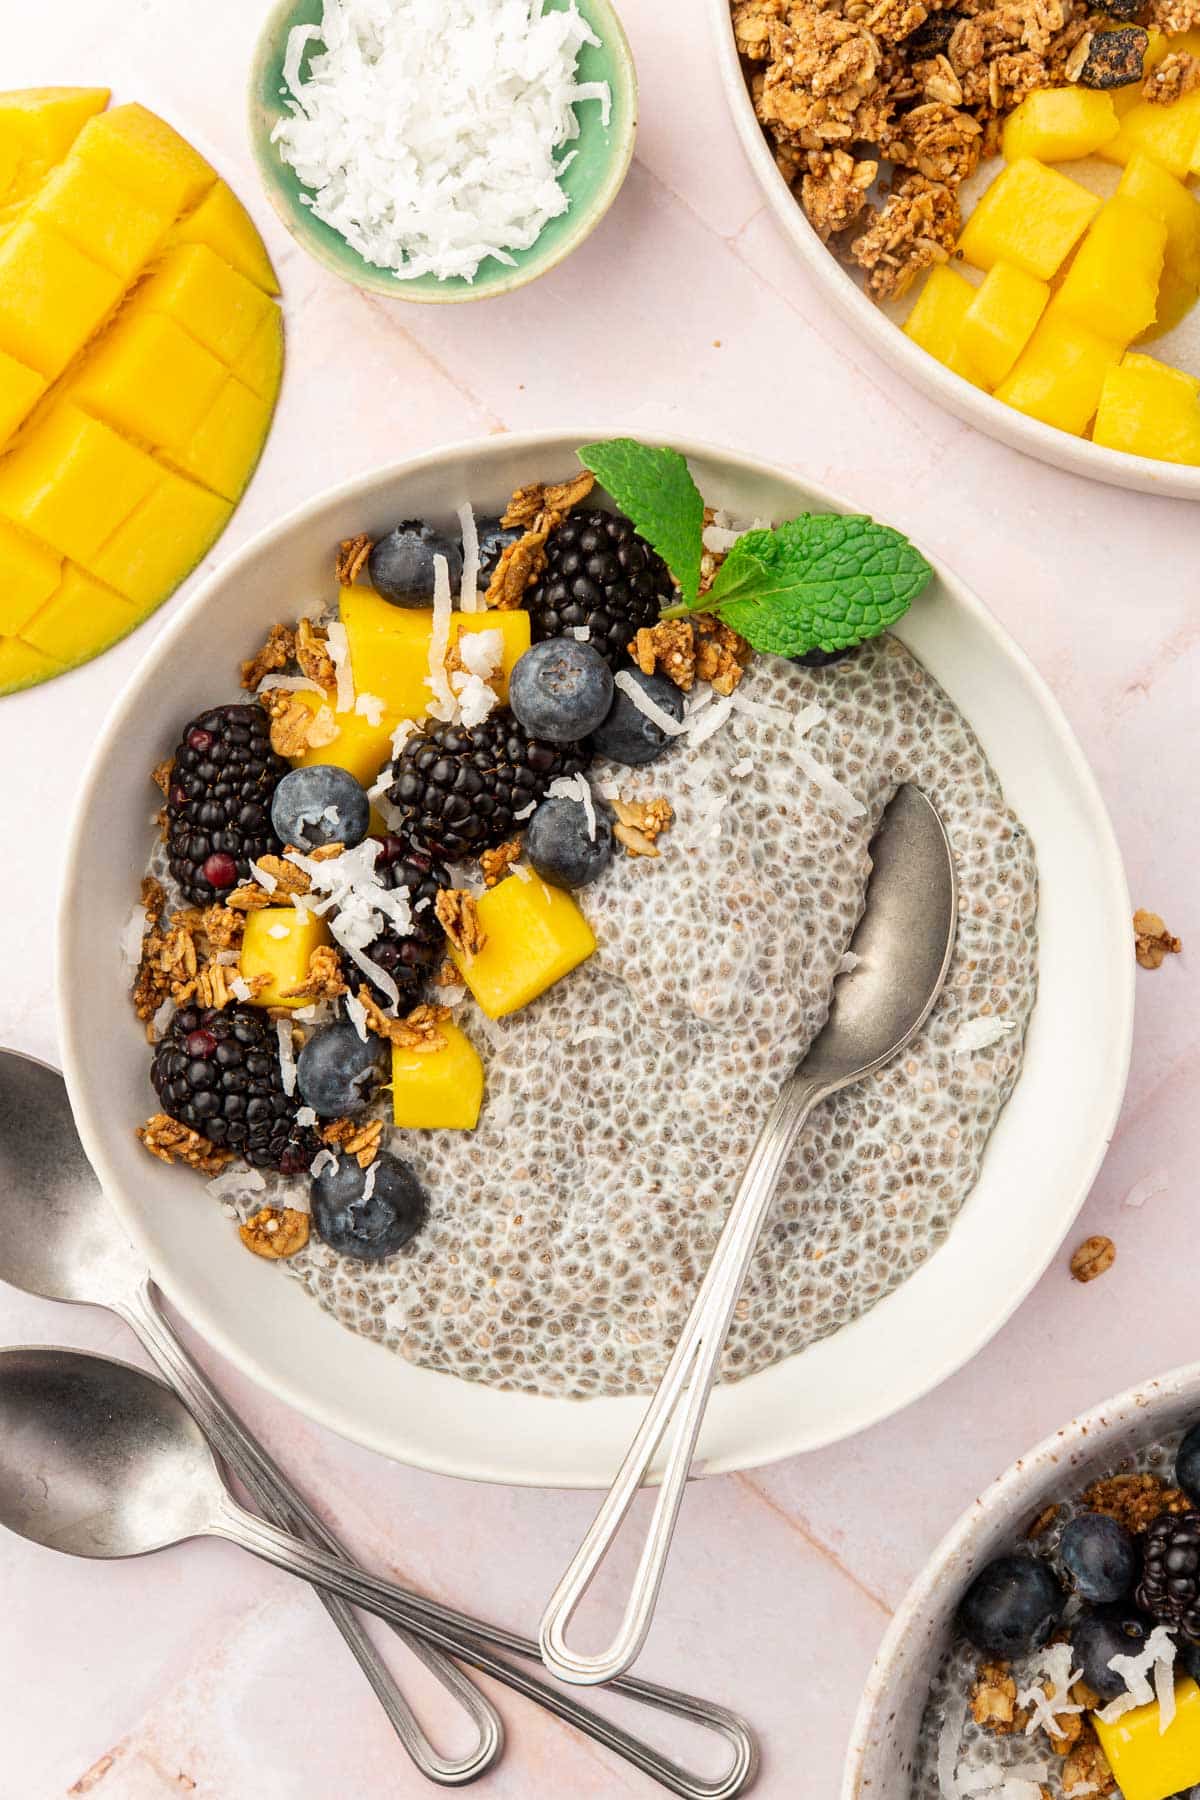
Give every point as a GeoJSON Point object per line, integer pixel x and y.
{"type": "Point", "coordinates": [794, 1523]}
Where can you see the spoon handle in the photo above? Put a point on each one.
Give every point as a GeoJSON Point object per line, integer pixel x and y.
{"type": "Point", "coordinates": [273, 1494]}
{"type": "Point", "coordinates": [474, 1642]}
{"type": "Point", "coordinates": [675, 1414]}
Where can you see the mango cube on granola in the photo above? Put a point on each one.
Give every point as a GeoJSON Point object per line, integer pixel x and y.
{"type": "Point", "coordinates": [278, 943]}
{"type": "Point", "coordinates": [534, 934]}
{"type": "Point", "coordinates": [1112, 285]}
{"type": "Point", "coordinates": [1059, 375]}
{"type": "Point", "coordinates": [438, 1090]}
{"type": "Point", "coordinates": [936, 319]}
{"type": "Point", "coordinates": [1031, 216]}
{"type": "Point", "coordinates": [1149, 1763]}
{"type": "Point", "coordinates": [1058, 124]}
{"type": "Point", "coordinates": [1001, 319]}
{"type": "Point", "coordinates": [1150, 409]}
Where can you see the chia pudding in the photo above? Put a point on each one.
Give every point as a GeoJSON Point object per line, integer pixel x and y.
{"type": "Point", "coordinates": [592, 954]}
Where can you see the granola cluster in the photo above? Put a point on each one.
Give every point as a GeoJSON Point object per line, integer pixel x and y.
{"type": "Point", "coordinates": [536, 510]}
{"type": "Point", "coordinates": [187, 958]}
{"type": "Point", "coordinates": [915, 90]}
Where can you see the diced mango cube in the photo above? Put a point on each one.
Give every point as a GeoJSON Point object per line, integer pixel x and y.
{"type": "Point", "coordinates": [260, 365]}
{"type": "Point", "coordinates": [71, 481]}
{"type": "Point", "coordinates": [1169, 135]}
{"type": "Point", "coordinates": [222, 222]}
{"type": "Point", "coordinates": [515, 636]}
{"type": "Point", "coordinates": [21, 665]}
{"type": "Point", "coordinates": [141, 152]}
{"type": "Point", "coordinates": [29, 574]}
{"type": "Point", "coordinates": [1150, 409]}
{"type": "Point", "coordinates": [222, 310]}
{"type": "Point", "coordinates": [20, 390]}
{"type": "Point", "coordinates": [1031, 216]}
{"type": "Point", "coordinates": [1059, 124]}
{"type": "Point", "coordinates": [1112, 285]}
{"type": "Point", "coordinates": [1150, 1764]}
{"type": "Point", "coordinates": [81, 618]}
{"type": "Point", "coordinates": [109, 224]}
{"type": "Point", "coordinates": [46, 121]}
{"type": "Point", "coordinates": [534, 934]}
{"type": "Point", "coordinates": [278, 943]}
{"type": "Point", "coordinates": [1176, 298]}
{"type": "Point", "coordinates": [359, 747]}
{"type": "Point", "coordinates": [161, 541]}
{"type": "Point", "coordinates": [1157, 192]}
{"type": "Point", "coordinates": [1059, 375]}
{"type": "Point", "coordinates": [224, 449]}
{"type": "Point", "coordinates": [52, 297]}
{"type": "Point", "coordinates": [1001, 319]}
{"type": "Point", "coordinates": [439, 1090]}
{"type": "Point", "coordinates": [935, 320]}
{"type": "Point", "coordinates": [149, 378]}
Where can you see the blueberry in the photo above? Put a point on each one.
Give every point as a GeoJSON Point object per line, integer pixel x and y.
{"type": "Point", "coordinates": [560, 690]}
{"type": "Point", "coordinates": [371, 1225]}
{"type": "Point", "coordinates": [1187, 1465]}
{"type": "Point", "coordinates": [1097, 1637]}
{"type": "Point", "coordinates": [336, 1073]}
{"type": "Point", "coordinates": [1011, 1607]}
{"type": "Point", "coordinates": [320, 805]}
{"type": "Point", "coordinates": [494, 540]}
{"type": "Point", "coordinates": [819, 659]}
{"type": "Point", "coordinates": [559, 847]}
{"type": "Point", "coordinates": [1100, 1557]}
{"type": "Point", "coordinates": [401, 564]}
{"type": "Point", "coordinates": [627, 735]}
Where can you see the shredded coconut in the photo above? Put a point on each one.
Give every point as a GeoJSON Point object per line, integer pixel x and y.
{"type": "Point", "coordinates": [848, 963]}
{"type": "Point", "coordinates": [287, 1055]}
{"type": "Point", "coordinates": [237, 1184]}
{"type": "Point", "coordinates": [649, 708]}
{"type": "Point", "coordinates": [356, 1012]}
{"type": "Point", "coordinates": [1053, 1668]}
{"type": "Point", "coordinates": [306, 1116]}
{"type": "Point", "coordinates": [132, 933]}
{"type": "Point", "coordinates": [763, 711]}
{"type": "Point", "coordinates": [1135, 1672]}
{"type": "Point", "coordinates": [240, 988]}
{"type": "Point", "coordinates": [526, 812]}
{"type": "Point", "coordinates": [481, 652]}
{"type": "Point", "coordinates": [806, 718]}
{"type": "Point", "coordinates": [575, 787]}
{"type": "Point", "coordinates": [324, 1159]}
{"type": "Point", "coordinates": [743, 768]}
{"type": "Point", "coordinates": [476, 700]}
{"type": "Point", "coordinates": [371, 707]}
{"type": "Point", "coordinates": [428, 133]}
{"type": "Point", "coordinates": [405, 729]}
{"type": "Point", "coordinates": [264, 878]}
{"type": "Point", "coordinates": [369, 1181]}
{"type": "Point", "coordinates": [949, 1737]}
{"type": "Point", "coordinates": [1147, 1188]}
{"type": "Point", "coordinates": [295, 684]}
{"type": "Point", "coordinates": [468, 594]}
{"type": "Point", "coordinates": [278, 931]}
{"type": "Point", "coordinates": [444, 705]}
{"type": "Point", "coordinates": [980, 1034]}
{"type": "Point", "coordinates": [706, 721]}
{"type": "Point", "coordinates": [163, 1017]}
{"type": "Point", "coordinates": [839, 797]}
{"type": "Point", "coordinates": [582, 633]}
{"type": "Point", "coordinates": [339, 652]}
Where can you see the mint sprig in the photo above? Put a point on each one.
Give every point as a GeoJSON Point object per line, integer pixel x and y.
{"type": "Point", "coordinates": [823, 581]}
{"type": "Point", "coordinates": [654, 487]}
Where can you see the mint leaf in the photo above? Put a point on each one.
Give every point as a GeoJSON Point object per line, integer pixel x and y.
{"type": "Point", "coordinates": [822, 581]}
{"type": "Point", "coordinates": [654, 487]}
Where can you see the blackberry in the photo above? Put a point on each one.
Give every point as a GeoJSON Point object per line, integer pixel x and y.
{"type": "Point", "coordinates": [219, 1073]}
{"type": "Point", "coordinates": [223, 777]}
{"type": "Point", "coordinates": [601, 574]}
{"type": "Point", "coordinates": [412, 959]}
{"type": "Point", "coordinates": [1170, 1586]}
{"type": "Point", "coordinates": [459, 791]}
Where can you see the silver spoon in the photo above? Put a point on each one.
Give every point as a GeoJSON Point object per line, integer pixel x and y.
{"type": "Point", "coordinates": [61, 1240]}
{"type": "Point", "coordinates": [903, 944]}
{"type": "Point", "coordinates": [99, 1459]}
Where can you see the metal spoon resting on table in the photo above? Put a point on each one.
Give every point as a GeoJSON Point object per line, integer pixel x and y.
{"type": "Point", "coordinates": [902, 948]}
{"type": "Point", "coordinates": [61, 1240]}
{"type": "Point", "coordinates": [99, 1459]}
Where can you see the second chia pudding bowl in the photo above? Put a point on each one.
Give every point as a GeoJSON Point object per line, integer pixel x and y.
{"type": "Point", "coordinates": [487, 917]}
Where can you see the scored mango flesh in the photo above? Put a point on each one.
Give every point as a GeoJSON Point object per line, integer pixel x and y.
{"type": "Point", "coordinates": [141, 352]}
{"type": "Point", "coordinates": [1071, 283]}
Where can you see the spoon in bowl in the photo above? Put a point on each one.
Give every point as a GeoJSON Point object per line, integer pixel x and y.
{"type": "Point", "coordinates": [902, 948]}
{"type": "Point", "coordinates": [99, 1459]}
{"type": "Point", "coordinates": [61, 1240]}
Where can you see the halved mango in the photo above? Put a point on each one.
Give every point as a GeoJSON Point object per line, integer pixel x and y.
{"type": "Point", "coordinates": [260, 365]}
{"type": "Point", "coordinates": [1059, 124]}
{"type": "Point", "coordinates": [141, 152]}
{"type": "Point", "coordinates": [155, 547]}
{"type": "Point", "coordinates": [223, 450]}
{"type": "Point", "coordinates": [1059, 375]}
{"type": "Point", "coordinates": [217, 305]}
{"type": "Point", "coordinates": [1150, 409]}
{"type": "Point", "coordinates": [22, 666]}
{"type": "Point", "coordinates": [20, 390]}
{"type": "Point", "coordinates": [1157, 192]}
{"type": "Point", "coordinates": [1031, 216]}
{"type": "Point", "coordinates": [1112, 285]}
{"type": "Point", "coordinates": [278, 942]}
{"type": "Point", "coordinates": [223, 224]}
{"type": "Point", "coordinates": [1001, 319]}
{"type": "Point", "coordinates": [438, 1090]}
{"type": "Point", "coordinates": [29, 574]}
{"type": "Point", "coordinates": [52, 297]}
{"type": "Point", "coordinates": [936, 319]}
{"type": "Point", "coordinates": [110, 225]}
{"type": "Point", "coordinates": [122, 381]}
{"type": "Point", "coordinates": [45, 122]}
{"type": "Point", "coordinates": [78, 601]}
{"type": "Point", "coordinates": [71, 481]}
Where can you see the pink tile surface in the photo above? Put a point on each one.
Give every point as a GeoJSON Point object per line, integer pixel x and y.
{"type": "Point", "coordinates": [202, 1673]}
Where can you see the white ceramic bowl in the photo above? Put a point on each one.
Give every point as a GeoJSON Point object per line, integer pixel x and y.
{"type": "Point", "coordinates": [1038, 1168]}
{"type": "Point", "coordinates": [969, 403]}
{"type": "Point", "coordinates": [880, 1761]}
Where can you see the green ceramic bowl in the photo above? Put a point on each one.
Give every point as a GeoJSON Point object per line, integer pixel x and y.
{"type": "Point", "coordinates": [592, 181]}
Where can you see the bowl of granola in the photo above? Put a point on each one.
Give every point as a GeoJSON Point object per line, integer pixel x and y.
{"type": "Point", "coordinates": [997, 198]}
{"type": "Point", "coordinates": [510, 830]}
{"type": "Point", "coordinates": [1049, 1646]}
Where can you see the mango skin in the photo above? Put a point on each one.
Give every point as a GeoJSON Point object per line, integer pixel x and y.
{"type": "Point", "coordinates": [106, 505]}
{"type": "Point", "coordinates": [439, 1090]}
{"type": "Point", "coordinates": [534, 935]}
{"type": "Point", "coordinates": [283, 958]}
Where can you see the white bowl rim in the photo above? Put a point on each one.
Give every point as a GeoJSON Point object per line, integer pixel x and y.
{"type": "Point", "coordinates": [1001, 1496]}
{"type": "Point", "coordinates": [492, 1461]}
{"type": "Point", "coordinates": [1079, 456]}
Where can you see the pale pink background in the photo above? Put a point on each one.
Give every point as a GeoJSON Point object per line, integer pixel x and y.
{"type": "Point", "coordinates": [201, 1672]}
